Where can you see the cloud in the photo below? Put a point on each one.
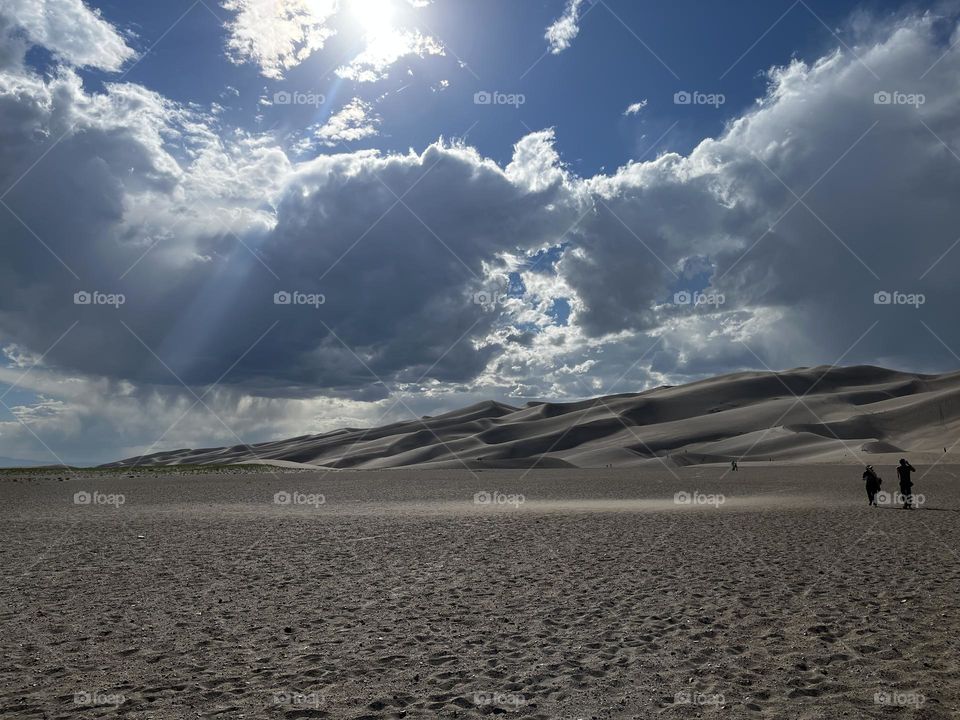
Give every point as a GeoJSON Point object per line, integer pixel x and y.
{"type": "Point", "coordinates": [97, 420]}
{"type": "Point", "coordinates": [874, 171]}
{"type": "Point", "coordinates": [536, 164]}
{"type": "Point", "coordinates": [352, 123]}
{"type": "Point", "coordinates": [199, 230]}
{"type": "Point", "coordinates": [386, 48]}
{"type": "Point", "coordinates": [277, 34]}
{"type": "Point", "coordinates": [68, 29]}
{"type": "Point", "coordinates": [635, 108]}
{"type": "Point", "coordinates": [561, 33]}
{"type": "Point", "coordinates": [18, 357]}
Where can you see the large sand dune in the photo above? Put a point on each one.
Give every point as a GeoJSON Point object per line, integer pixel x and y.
{"type": "Point", "coordinates": [823, 414]}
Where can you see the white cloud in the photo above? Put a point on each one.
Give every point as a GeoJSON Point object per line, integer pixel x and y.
{"type": "Point", "coordinates": [384, 49]}
{"type": "Point", "coordinates": [536, 163]}
{"type": "Point", "coordinates": [277, 34]}
{"type": "Point", "coordinates": [43, 408]}
{"type": "Point", "coordinates": [70, 30]}
{"type": "Point", "coordinates": [353, 122]}
{"type": "Point", "coordinates": [635, 108]}
{"type": "Point", "coordinates": [561, 33]}
{"type": "Point", "coordinates": [18, 357]}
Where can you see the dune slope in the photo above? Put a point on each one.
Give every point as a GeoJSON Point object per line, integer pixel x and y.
{"type": "Point", "coordinates": [825, 414]}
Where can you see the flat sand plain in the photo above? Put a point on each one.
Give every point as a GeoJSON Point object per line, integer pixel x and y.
{"type": "Point", "coordinates": [774, 592]}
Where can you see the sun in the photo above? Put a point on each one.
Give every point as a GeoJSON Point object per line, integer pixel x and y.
{"type": "Point", "coordinates": [374, 16]}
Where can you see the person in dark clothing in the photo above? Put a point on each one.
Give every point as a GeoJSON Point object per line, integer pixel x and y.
{"type": "Point", "coordinates": [873, 482]}
{"type": "Point", "coordinates": [906, 484]}
{"type": "Point", "coordinates": [733, 466]}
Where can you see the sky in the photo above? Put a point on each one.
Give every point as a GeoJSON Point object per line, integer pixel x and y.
{"type": "Point", "coordinates": [227, 221]}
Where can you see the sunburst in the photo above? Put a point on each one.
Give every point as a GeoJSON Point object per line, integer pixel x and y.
{"type": "Point", "coordinates": [374, 16]}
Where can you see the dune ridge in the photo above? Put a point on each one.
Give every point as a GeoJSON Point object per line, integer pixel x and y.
{"type": "Point", "coordinates": [822, 414]}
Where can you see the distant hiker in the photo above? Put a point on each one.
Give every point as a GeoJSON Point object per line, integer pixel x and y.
{"type": "Point", "coordinates": [733, 466]}
{"type": "Point", "coordinates": [873, 483]}
{"type": "Point", "coordinates": [906, 484]}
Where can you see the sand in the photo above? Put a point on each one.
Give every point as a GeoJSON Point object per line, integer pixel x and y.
{"type": "Point", "coordinates": [827, 414]}
{"type": "Point", "coordinates": [570, 594]}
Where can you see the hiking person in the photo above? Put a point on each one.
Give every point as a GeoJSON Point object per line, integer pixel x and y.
{"type": "Point", "coordinates": [906, 484]}
{"type": "Point", "coordinates": [733, 466]}
{"type": "Point", "coordinates": [873, 483]}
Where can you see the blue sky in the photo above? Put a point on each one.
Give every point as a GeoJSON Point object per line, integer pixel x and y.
{"type": "Point", "coordinates": [507, 200]}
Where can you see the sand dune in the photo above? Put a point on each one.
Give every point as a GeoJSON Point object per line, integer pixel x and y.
{"type": "Point", "coordinates": [823, 414]}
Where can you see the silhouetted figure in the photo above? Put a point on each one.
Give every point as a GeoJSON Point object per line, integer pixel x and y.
{"type": "Point", "coordinates": [733, 466]}
{"type": "Point", "coordinates": [873, 483]}
{"type": "Point", "coordinates": [906, 484]}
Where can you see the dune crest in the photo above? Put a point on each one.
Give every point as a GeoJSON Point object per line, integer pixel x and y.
{"type": "Point", "coordinates": [823, 414]}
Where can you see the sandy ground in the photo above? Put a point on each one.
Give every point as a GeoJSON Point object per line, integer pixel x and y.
{"type": "Point", "coordinates": [774, 592]}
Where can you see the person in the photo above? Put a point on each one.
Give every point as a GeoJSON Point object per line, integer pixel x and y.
{"type": "Point", "coordinates": [906, 484]}
{"type": "Point", "coordinates": [873, 483]}
{"type": "Point", "coordinates": [733, 466]}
